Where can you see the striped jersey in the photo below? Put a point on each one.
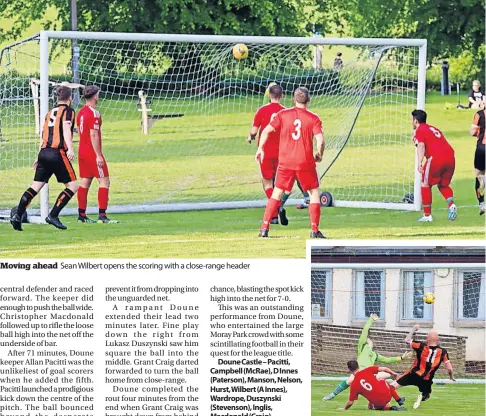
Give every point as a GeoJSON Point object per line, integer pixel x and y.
{"type": "Point", "coordinates": [52, 132]}
{"type": "Point", "coordinates": [480, 122]}
{"type": "Point", "coordinates": [428, 359]}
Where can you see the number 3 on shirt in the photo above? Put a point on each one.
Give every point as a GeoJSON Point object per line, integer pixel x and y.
{"type": "Point", "coordinates": [366, 386]}
{"type": "Point", "coordinates": [298, 126]}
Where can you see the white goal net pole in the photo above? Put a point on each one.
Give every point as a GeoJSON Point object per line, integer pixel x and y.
{"type": "Point", "coordinates": [44, 109]}
{"type": "Point", "coordinates": [422, 67]}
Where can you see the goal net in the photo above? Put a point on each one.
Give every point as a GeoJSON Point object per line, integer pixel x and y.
{"type": "Point", "coordinates": [396, 296]}
{"type": "Point", "coordinates": [198, 102]}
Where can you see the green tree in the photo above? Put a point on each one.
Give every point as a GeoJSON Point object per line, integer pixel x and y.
{"type": "Point", "coordinates": [239, 17]}
{"type": "Point", "coordinates": [450, 26]}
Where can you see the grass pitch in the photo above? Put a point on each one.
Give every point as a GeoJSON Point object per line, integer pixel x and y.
{"type": "Point", "coordinates": [136, 173]}
{"type": "Point", "coordinates": [448, 399]}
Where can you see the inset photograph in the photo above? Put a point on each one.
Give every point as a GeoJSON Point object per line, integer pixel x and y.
{"type": "Point", "coordinates": [399, 328]}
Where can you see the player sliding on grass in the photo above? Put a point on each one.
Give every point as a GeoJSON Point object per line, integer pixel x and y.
{"type": "Point", "coordinates": [378, 392]}
{"type": "Point", "coordinates": [92, 163]}
{"type": "Point", "coordinates": [268, 166]}
{"type": "Point", "coordinates": [367, 358]}
{"type": "Point", "coordinates": [477, 129]}
{"type": "Point", "coordinates": [55, 157]}
{"type": "Point", "coordinates": [438, 167]}
{"type": "Point", "coordinates": [429, 357]}
{"type": "Point", "coordinates": [296, 158]}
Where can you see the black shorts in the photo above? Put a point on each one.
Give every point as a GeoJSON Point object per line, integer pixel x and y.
{"type": "Point", "coordinates": [54, 162]}
{"type": "Point", "coordinates": [479, 157]}
{"type": "Point", "coordinates": [412, 379]}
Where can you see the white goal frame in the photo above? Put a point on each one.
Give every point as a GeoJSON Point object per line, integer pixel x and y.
{"type": "Point", "coordinates": [46, 36]}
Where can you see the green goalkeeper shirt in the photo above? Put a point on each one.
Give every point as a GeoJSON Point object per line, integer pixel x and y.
{"type": "Point", "coordinates": [366, 356]}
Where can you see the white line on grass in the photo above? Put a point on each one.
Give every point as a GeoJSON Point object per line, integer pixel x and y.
{"type": "Point", "coordinates": [142, 243]}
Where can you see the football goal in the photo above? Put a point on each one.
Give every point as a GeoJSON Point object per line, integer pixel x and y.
{"type": "Point", "coordinates": [177, 110]}
{"type": "Point", "coordinates": [342, 299]}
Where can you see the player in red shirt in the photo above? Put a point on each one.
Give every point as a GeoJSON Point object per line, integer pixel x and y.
{"type": "Point", "coordinates": [296, 157]}
{"type": "Point", "coordinates": [378, 392]}
{"type": "Point", "coordinates": [438, 167]}
{"type": "Point", "coordinates": [92, 163]}
{"type": "Point", "coordinates": [268, 166]}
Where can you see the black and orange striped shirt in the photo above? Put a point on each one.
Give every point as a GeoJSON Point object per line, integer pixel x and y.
{"type": "Point", "coordinates": [52, 133]}
{"type": "Point", "coordinates": [479, 121]}
{"type": "Point", "coordinates": [428, 359]}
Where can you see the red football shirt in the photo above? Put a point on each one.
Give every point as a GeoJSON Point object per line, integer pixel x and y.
{"type": "Point", "coordinates": [263, 116]}
{"type": "Point", "coordinates": [297, 126]}
{"type": "Point", "coordinates": [366, 384]}
{"type": "Point", "coordinates": [436, 145]}
{"type": "Point", "coordinates": [88, 119]}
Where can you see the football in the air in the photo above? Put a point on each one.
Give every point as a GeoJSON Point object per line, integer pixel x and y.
{"type": "Point", "coordinates": [429, 298]}
{"type": "Point", "coordinates": [240, 51]}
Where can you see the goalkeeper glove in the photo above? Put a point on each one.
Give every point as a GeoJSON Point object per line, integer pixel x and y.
{"type": "Point", "coordinates": [406, 355]}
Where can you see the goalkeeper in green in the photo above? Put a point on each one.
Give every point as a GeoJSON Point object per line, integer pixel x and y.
{"type": "Point", "coordinates": [367, 358]}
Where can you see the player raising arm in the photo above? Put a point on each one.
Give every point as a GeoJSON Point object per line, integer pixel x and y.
{"type": "Point", "coordinates": [297, 159]}
{"type": "Point", "coordinates": [55, 157]}
{"type": "Point", "coordinates": [439, 165]}
{"type": "Point", "coordinates": [268, 166]}
{"type": "Point", "coordinates": [92, 163]}
{"type": "Point", "coordinates": [367, 357]}
{"type": "Point", "coordinates": [378, 392]}
{"type": "Point", "coordinates": [429, 356]}
{"type": "Point", "coordinates": [477, 129]}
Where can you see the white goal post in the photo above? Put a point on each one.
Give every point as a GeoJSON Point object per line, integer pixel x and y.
{"type": "Point", "coordinates": [365, 108]}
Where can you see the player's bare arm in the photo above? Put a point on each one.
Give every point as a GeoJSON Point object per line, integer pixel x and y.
{"type": "Point", "coordinates": [96, 142]}
{"type": "Point", "coordinates": [420, 156]}
{"type": "Point", "coordinates": [68, 139]}
{"type": "Point", "coordinates": [411, 334]}
{"type": "Point", "coordinates": [474, 130]}
{"type": "Point", "coordinates": [348, 404]}
{"type": "Point", "coordinates": [320, 147]}
{"type": "Point", "coordinates": [253, 134]}
{"type": "Point", "coordinates": [263, 139]}
{"type": "Point", "coordinates": [448, 366]}
{"type": "Point", "coordinates": [387, 370]}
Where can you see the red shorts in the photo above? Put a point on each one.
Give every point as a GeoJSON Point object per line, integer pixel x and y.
{"type": "Point", "coordinates": [268, 168]}
{"type": "Point", "coordinates": [88, 168]}
{"type": "Point", "coordinates": [438, 171]}
{"type": "Point", "coordinates": [307, 177]}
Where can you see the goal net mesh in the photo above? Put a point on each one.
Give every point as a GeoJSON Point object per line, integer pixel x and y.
{"type": "Point", "coordinates": [203, 100]}
{"type": "Point", "coordinates": [462, 296]}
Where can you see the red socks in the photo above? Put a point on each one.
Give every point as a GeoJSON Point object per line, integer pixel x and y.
{"type": "Point", "coordinates": [426, 200]}
{"type": "Point", "coordinates": [270, 212]}
{"type": "Point", "coordinates": [82, 200]}
{"type": "Point", "coordinates": [315, 216]}
{"type": "Point", "coordinates": [447, 193]}
{"type": "Point", "coordinates": [103, 199]}
{"type": "Point", "coordinates": [269, 192]}
{"type": "Point", "coordinates": [394, 393]}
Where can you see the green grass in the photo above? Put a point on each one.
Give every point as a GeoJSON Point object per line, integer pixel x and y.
{"type": "Point", "coordinates": [448, 399]}
{"type": "Point", "coordinates": [187, 159]}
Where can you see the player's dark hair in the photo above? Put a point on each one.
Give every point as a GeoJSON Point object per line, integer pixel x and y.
{"type": "Point", "coordinates": [420, 116]}
{"type": "Point", "coordinates": [275, 92]}
{"type": "Point", "coordinates": [90, 91]}
{"type": "Point", "coordinates": [339, 54]}
{"type": "Point", "coordinates": [301, 95]}
{"type": "Point", "coordinates": [63, 93]}
{"type": "Point", "coordinates": [353, 365]}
